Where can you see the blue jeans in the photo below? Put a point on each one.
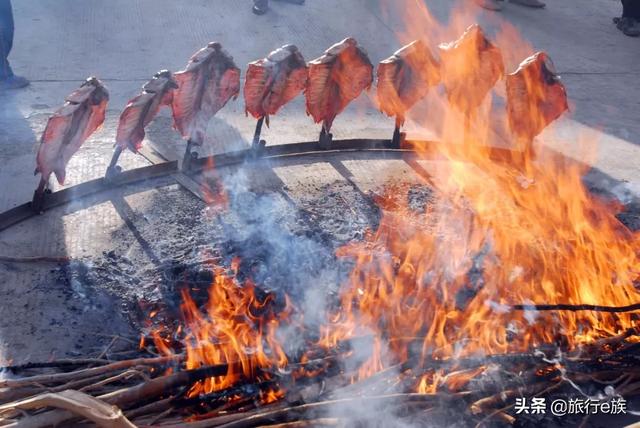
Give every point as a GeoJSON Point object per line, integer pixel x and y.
{"type": "Point", "coordinates": [6, 38]}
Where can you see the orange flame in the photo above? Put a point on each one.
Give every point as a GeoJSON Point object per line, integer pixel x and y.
{"type": "Point", "coordinates": [236, 327]}
{"type": "Point", "coordinates": [522, 230]}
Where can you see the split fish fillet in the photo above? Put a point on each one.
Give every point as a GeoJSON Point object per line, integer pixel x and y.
{"type": "Point", "coordinates": [273, 81]}
{"type": "Point", "coordinates": [141, 110]}
{"type": "Point", "coordinates": [70, 126]}
{"type": "Point", "coordinates": [535, 96]}
{"type": "Point", "coordinates": [471, 66]}
{"type": "Point", "coordinates": [405, 78]}
{"type": "Point", "coordinates": [209, 81]}
{"type": "Point", "coordinates": [335, 79]}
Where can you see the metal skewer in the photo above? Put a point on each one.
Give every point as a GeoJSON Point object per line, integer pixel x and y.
{"type": "Point", "coordinates": [188, 157]}
{"type": "Point", "coordinates": [37, 203]}
{"type": "Point", "coordinates": [113, 169]}
{"type": "Point", "coordinates": [257, 144]}
{"type": "Point", "coordinates": [326, 138]}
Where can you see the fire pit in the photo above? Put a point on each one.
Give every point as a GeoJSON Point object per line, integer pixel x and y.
{"type": "Point", "coordinates": [299, 305]}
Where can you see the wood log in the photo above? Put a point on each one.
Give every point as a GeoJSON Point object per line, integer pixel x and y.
{"type": "Point", "coordinates": [80, 374]}
{"type": "Point", "coordinates": [75, 402]}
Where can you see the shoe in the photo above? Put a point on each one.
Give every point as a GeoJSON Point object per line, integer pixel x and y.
{"type": "Point", "coordinates": [13, 82]}
{"type": "Point", "coordinates": [629, 26]}
{"type": "Point", "coordinates": [259, 11]}
{"type": "Point", "coordinates": [530, 3]}
{"type": "Point", "coordinates": [490, 4]}
{"type": "Point", "coordinates": [260, 7]}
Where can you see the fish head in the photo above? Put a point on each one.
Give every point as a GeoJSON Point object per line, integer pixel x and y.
{"type": "Point", "coordinates": [161, 80]}
{"type": "Point", "coordinates": [91, 81]}
{"type": "Point", "coordinates": [100, 93]}
{"type": "Point", "coordinates": [216, 46]}
{"type": "Point", "coordinates": [349, 41]}
{"type": "Point", "coordinates": [548, 68]}
{"type": "Point", "coordinates": [284, 53]}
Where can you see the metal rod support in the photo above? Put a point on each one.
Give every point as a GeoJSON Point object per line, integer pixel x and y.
{"type": "Point", "coordinates": [258, 131]}
{"type": "Point", "coordinates": [188, 157]}
{"type": "Point", "coordinates": [113, 169]}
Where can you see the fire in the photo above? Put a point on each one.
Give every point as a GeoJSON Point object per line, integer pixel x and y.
{"type": "Point", "coordinates": [503, 232]}
{"type": "Point", "coordinates": [237, 327]}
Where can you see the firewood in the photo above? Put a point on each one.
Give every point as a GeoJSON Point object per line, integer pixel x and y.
{"type": "Point", "coordinates": [124, 398]}
{"type": "Point", "coordinates": [67, 362]}
{"type": "Point", "coordinates": [80, 374]}
{"type": "Point", "coordinates": [77, 403]}
{"type": "Point", "coordinates": [341, 408]}
{"type": "Point", "coordinates": [147, 409]}
{"type": "Point", "coordinates": [321, 422]}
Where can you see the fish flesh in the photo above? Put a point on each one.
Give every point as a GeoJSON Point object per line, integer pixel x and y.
{"type": "Point", "coordinates": [470, 67]}
{"type": "Point", "coordinates": [209, 81]}
{"type": "Point", "coordinates": [535, 96]}
{"type": "Point", "coordinates": [335, 79]}
{"type": "Point", "coordinates": [405, 78]}
{"type": "Point", "coordinates": [273, 81]}
{"type": "Point", "coordinates": [141, 110]}
{"type": "Point", "coordinates": [69, 127]}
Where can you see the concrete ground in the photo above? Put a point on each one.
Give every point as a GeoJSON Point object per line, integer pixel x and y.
{"type": "Point", "coordinates": [61, 42]}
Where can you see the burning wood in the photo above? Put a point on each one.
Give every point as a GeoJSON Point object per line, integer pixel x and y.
{"type": "Point", "coordinates": [535, 97]}
{"type": "Point", "coordinates": [471, 66]}
{"type": "Point", "coordinates": [405, 78]}
{"type": "Point", "coordinates": [163, 397]}
{"type": "Point", "coordinates": [335, 79]}
{"type": "Point", "coordinates": [67, 129]}
{"type": "Point", "coordinates": [209, 81]}
{"type": "Point", "coordinates": [143, 108]}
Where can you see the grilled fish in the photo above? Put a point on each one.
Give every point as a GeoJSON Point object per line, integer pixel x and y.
{"type": "Point", "coordinates": [143, 108]}
{"type": "Point", "coordinates": [471, 66]}
{"type": "Point", "coordinates": [274, 81]}
{"type": "Point", "coordinates": [535, 96]}
{"type": "Point", "coordinates": [209, 81]}
{"type": "Point", "coordinates": [70, 126]}
{"type": "Point", "coordinates": [405, 78]}
{"type": "Point", "coordinates": [335, 79]}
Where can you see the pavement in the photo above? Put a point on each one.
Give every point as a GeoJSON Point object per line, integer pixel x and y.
{"type": "Point", "coordinates": [61, 42]}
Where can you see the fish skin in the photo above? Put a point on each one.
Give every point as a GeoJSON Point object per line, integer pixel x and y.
{"type": "Point", "coordinates": [141, 110]}
{"type": "Point", "coordinates": [535, 96]}
{"type": "Point", "coordinates": [335, 79]}
{"type": "Point", "coordinates": [209, 81]}
{"type": "Point", "coordinates": [470, 68]}
{"type": "Point", "coordinates": [273, 81]}
{"type": "Point", "coordinates": [70, 126]}
{"type": "Point", "coordinates": [405, 78]}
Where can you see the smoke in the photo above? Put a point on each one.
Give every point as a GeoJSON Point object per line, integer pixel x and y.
{"type": "Point", "coordinates": [282, 253]}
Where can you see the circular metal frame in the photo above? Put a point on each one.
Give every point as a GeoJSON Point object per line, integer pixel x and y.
{"type": "Point", "coordinates": [167, 168]}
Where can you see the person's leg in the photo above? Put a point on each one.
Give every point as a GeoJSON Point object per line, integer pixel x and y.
{"type": "Point", "coordinates": [6, 38]}
{"type": "Point", "coordinates": [629, 23]}
{"type": "Point", "coordinates": [631, 9]}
